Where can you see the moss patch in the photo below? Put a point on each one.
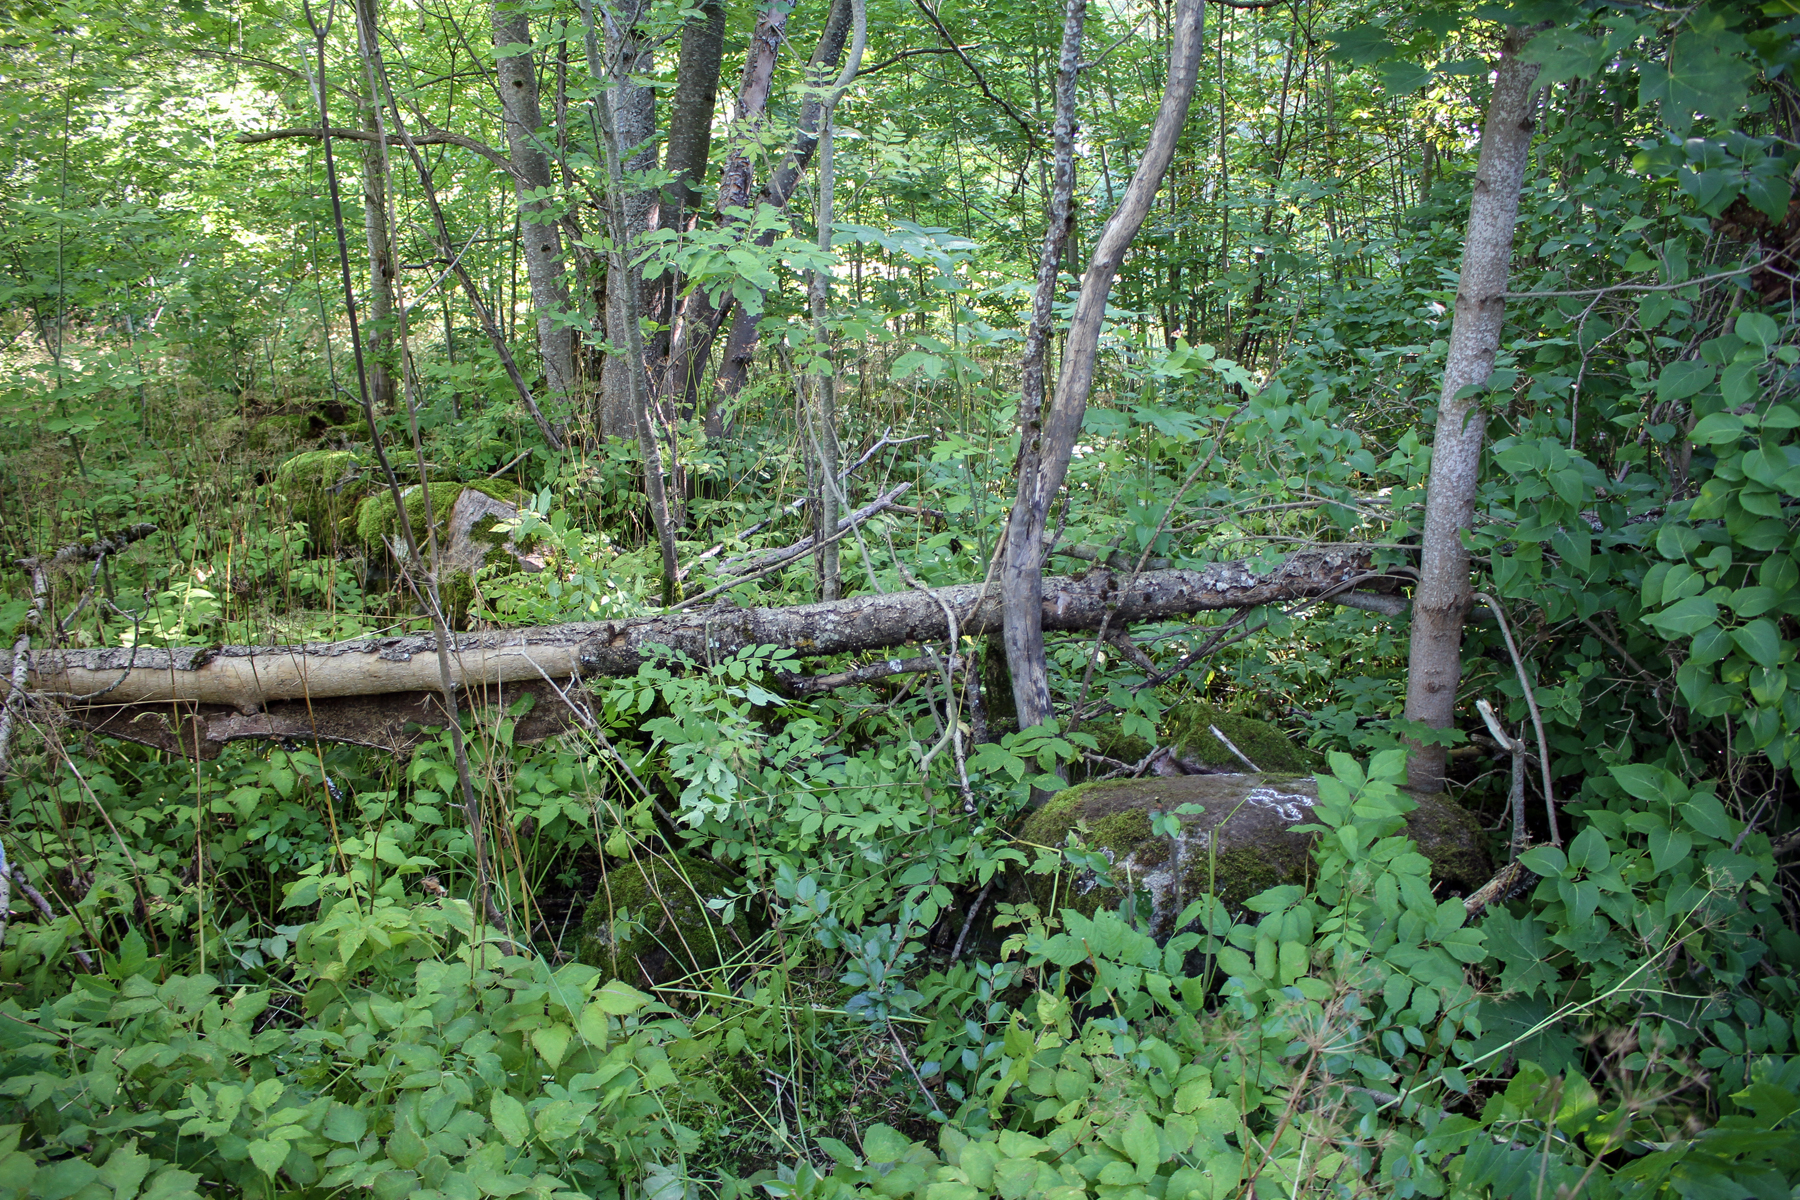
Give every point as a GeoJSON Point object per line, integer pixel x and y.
{"type": "Point", "coordinates": [1186, 730]}
{"type": "Point", "coordinates": [649, 922]}
{"type": "Point", "coordinates": [375, 519]}
{"type": "Point", "coordinates": [1186, 727]}
{"type": "Point", "coordinates": [323, 489]}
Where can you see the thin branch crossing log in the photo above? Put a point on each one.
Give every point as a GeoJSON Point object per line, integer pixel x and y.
{"type": "Point", "coordinates": [376, 691]}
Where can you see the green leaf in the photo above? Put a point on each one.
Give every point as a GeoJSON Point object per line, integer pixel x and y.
{"type": "Point", "coordinates": [885, 1144]}
{"type": "Point", "coordinates": [1402, 78]}
{"type": "Point", "coordinates": [1361, 45]}
{"type": "Point", "coordinates": [1685, 618]}
{"type": "Point", "coordinates": [552, 1041]}
{"type": "Point", "coordinates": [1142, 1145]}
{"type": "Point", "coordinates": [1758, 329]}
{"type": "Point", "coordinates": [1588, 851]}
{"type": "Point", "coordinates": [268, 1154]}
{"type": "Point", "coordinates": [509, 1119]}
{"type": "Point", "coordinates": [1679, 380]}
{"type": "Point", "coordinates": [1668, 847]}
{"type": "Point", "coordinates": [1705, 73]}
{"type": "Point", "coordinates": [620, 998]}
{"type": "Point", "coordinates": [1705, 813]}
{"type": "Point", "coordinates": [345, 1124]}
{"type": "Point", "coordinates": [125, 1170]}
{"type": "Point", "coordinates": [1717, 429]}
{"type": "Point", "coordinates": [1547, 861]}
{"type": "Point", "coordinates": [1649, 783]}
{"type": "Point", "coordinates": [1760, 640]}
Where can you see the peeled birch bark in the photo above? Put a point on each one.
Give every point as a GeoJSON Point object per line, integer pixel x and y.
{"type": "Point", "coordinates": [195, 699]}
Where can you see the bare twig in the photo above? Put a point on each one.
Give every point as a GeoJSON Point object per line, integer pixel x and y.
{"type": "Point", "coordinates": [1031, 134]}
{"type": "Point", "coordinates": [1537, 719]}
{"type": "Point", "coordinates": [37, 899]}
{"type": "Point", "coordinates": [748, 563]}
{"type": "Point", "coordinates": [1238, 754]}
{"type": "Point", "coordinates": [1516, 794]}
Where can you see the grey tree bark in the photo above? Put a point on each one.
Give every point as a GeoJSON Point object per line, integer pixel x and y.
{"type": "Point", "coordinates": [631, 281]}
{"type": "Point", "coordinates": [1444, 594]}
{"type": "Point", "coordinates": [378, 326]}
{"type": "Point", "coordinates": [740, 341]}
{"type": "Point", "coordinates": [824, 415]}
{"type": "Point", "coordinates": [685, 157]}
{"type": "Point", "coordinates": [250, 677]}
{"type": "Point", "coordinates": [633, 110]}
{"type": "Point", "coordinates": [1045, 452]}
{"type": "Point", "coordinates": [541, 240]}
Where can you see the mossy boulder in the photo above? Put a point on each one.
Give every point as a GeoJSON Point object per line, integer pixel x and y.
{"type": "Point", "coordinates": [323, 488]}
{"type": "Point", "coordinates": [467, 516]}
{"type": "Point", "coordinates": [375, 516]}
{"type": "Point", "coordinates": [1243, 842]}
{"type": "Point", "coordinates": [279, 432]}
{"type": "Point", "coordinates": [1187, 730]}
{"type": "Point", "coordinates": [649, 922]}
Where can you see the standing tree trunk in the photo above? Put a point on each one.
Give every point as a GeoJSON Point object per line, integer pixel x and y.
{"type": "Point", "coordinates": [689, 145]}
{"type": "Point", "coordinates": [633, 109]}
{"type": "Point", "coordinates": [740, 342]}
{"type": "Point", "coordinates": [1444, 594]}
{"type": "Point", "coordinates": [622, 267]}
{"type": "Point", "coordinates": [541, 240]}
{"type": "Point", "coordinates": [824, 416]}
{"type": "Point", "coordinates": [1045, 452]}
{"type": "Point", "coordinates": [378, 331]}
{"type": "Point", "coordinates": [692, 339]}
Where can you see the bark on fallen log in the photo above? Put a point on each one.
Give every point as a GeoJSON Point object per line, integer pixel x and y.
{"type": "Point", "coordinates": [369, 692]}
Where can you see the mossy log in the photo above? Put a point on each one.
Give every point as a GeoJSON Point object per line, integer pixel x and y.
{"type": "Point", "coordinates": [1242, 843]}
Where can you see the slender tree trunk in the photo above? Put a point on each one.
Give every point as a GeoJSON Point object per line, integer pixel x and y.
{"type": "Point", "coordinates": [1444, 593]}
{"type": "Point", "coordinates": [825, 375]}
{"type": "Point", "coordinates": [633, 109]}
{"type": "Point", "coordinates": [378, 329]}
{"type": "Point", "coordinates": [740, 342]}
{"type": "Point", "coordinates": [541, 240]}
{"type": "Point", "coordinates": [613, 150]}
{"type": "Point", "coordinates": [1045, 452]}
{"type": "Point", "coordinates": [691, 343]}
{"type": "Point", "coordinates": [691, 114]}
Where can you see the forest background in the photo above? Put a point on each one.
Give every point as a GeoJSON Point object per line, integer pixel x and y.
{"type": "Point", "coordinates": [1359, 324]}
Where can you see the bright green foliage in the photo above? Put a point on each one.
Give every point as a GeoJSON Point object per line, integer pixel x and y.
{"type": "Point", "coordinates": [301, 988]}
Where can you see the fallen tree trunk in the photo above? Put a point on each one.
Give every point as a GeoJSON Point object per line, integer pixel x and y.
{"type": "Point", "coordinates": [375, 691]}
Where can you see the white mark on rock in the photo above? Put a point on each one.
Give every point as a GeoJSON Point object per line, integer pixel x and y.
{"type": "Point", "coordinates": [1291, 806]}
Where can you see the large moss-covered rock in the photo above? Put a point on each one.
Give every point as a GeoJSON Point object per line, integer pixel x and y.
{"type": "Point", "coordinates": [1242, 843]}
{"type": "Point", "coordinates": [375, 517]}
{"type": "Point", "coordinates": [1187, 730]}
{"type": "Point", "coordinates": [323, 488]}
{"type": "Point", "coordinates": [467, 517]}
{"type": "Point", "coordinates": [649, 922]}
